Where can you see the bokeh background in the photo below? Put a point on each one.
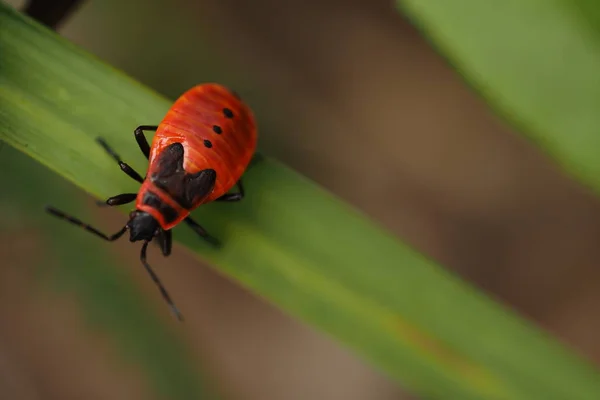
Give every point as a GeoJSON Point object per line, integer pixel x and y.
{"type": "Point", "coordinates": [349, 94]}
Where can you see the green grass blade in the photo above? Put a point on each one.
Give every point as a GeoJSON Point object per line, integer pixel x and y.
{"type": "Point", "coordinates": [289, 240]}
{"type": "Point", "coordinates": [537, 63]}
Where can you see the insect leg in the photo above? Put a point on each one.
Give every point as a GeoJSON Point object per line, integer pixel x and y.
{"type": "Point", "coordinates": [256, 158]}
{"type": "Point", "coordinates": [124, 167]}
{"type": "Point", "coordinates": [118, 200]}
{"type": "Point", "coordinates": [233, 196]}
{"type": "Point", "coordinates": [156, 280]}
{"type": "Point", "coordinates": [85, 226]}
{"type": "Point", "coordinates": [240, 194]}
{"type": "Point", "coordinates": [141, 138]}
{"type": "Point", "coordinates": [165, 242]}
{"type": "Point", "coordinates": [201, 231]}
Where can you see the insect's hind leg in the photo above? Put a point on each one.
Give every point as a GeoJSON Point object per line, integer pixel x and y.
{"type": "Point", "coordinates": [124, 166]}
{"type": "Point", "coordinates": [233, 196]}
{"type": "Point", "coordinates": [141, 140]}
{"type": "Point", "coordinates": [257, 158]}
{"type": "Point", "coordinates": [202, 232]}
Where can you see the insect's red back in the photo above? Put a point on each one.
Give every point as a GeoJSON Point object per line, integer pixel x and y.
{"type": "Point", "coordinates": [217, 131]}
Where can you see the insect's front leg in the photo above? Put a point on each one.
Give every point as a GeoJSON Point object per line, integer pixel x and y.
{"type": "Point", "coordinates": [118, 200]}
{"type": "Point", "coordinates": [165, 241]}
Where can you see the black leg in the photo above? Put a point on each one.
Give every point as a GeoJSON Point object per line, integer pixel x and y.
{"type": "Point", "coordinates": [156, 280]}
{"type": "Point", "coordinates": [201, 231]}
{"type": "Point", "coordinates": [85, 226]}
{"type": "Point", "coordinates": [233, 196]}
{"type": "Point", "coordinates": [124, 167]}
{"type": "Point", "coordinates": [141, 138]}
{"type": "Point", "coordinates": [166, 242]}
{"type": "Point", "coordinates": [240, 194]}
{"type": "Point", "coordinates": [118, 200]}
{"type": "Point", "coordinates": [256, 158]}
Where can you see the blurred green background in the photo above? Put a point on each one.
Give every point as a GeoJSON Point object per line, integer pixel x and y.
{"type": "Point", "coordinates": [326, 80]}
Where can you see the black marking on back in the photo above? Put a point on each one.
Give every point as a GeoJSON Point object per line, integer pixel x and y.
{"type": "Point", "coordinates": [186, 189]}
{"type": "Point", "coordinates": [207, 143]}
{"type": "Point", "coordinates": [151, 199]}
{"type": "Point", "coordinates": [228, 113]}
{"type": "Point", "coordinates": [217, 129]}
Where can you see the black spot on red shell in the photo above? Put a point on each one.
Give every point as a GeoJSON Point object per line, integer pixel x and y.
{"type": "Point", "coordinates": [217, 129]}
{"type": "Point", "coordinates": [207, 143]}
{"type": "Point", "coordinates": [228, 113]}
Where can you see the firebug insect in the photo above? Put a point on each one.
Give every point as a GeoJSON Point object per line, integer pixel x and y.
{"type": "Point", "coordinates": [199, 152]}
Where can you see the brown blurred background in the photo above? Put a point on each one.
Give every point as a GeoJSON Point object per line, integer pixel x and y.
{"type": "Point", "coordinates": [351, 93]}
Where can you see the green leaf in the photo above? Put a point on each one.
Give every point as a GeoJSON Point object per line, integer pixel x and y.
{"type": "Point", "coordinates": [288, 240]}
{"type": "Point", "coordinates": [535, 61]}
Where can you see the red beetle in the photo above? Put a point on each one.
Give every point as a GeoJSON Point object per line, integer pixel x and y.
{"type": "Point", "coordinates": [200, 150]}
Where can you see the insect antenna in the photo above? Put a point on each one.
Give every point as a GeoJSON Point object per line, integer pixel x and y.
{"type": "Point", "coordinates": [156, 280]}
{"type": "Point", "coordinates": [83, 225]}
